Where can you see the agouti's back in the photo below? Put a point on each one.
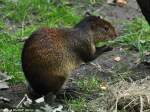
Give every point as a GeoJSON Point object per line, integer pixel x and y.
{"type": "Point", "coordinates": [50, 55]}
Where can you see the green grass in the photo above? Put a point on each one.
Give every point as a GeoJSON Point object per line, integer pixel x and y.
{"type": "Point", "coordinates": [89, 84]}
{"type": "Point", "coordinates": [18, 20]}
{"type": "Point", "coordinates": [33, 11]}
{"type": "Point", "coordinates": [2, 25]}
{"type": "Point", "coordinates": [78, 105]}
{"type": "Point", "coordinates": [136, 35]}
{"type": "Point", "coordinates": [10, 58]}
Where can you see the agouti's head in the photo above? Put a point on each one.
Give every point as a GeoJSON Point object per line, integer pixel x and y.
{"type": "Point", "coordinates": [100, 28]}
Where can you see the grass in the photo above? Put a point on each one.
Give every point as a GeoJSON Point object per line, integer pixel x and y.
{"type": "Point", "coordinates": [18, 20]}
{"type": "Point", "coordinates": [10, 58]}
{"type": "Point", "coordinates": [78, 105]}
{"type": "Point", "coordinates": [136, 35]}
{"type": "Point", "coordinates": [89, 84]}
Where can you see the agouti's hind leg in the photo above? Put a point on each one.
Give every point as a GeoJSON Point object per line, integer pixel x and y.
{"type": "Point", "coordinates": [101, 50]}
{"type": "Point", "coordinates": [31, 93]}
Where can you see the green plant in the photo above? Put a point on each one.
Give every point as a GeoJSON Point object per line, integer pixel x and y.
{"type": "Point", "coordinates": [89, 84]}
{"type": "Point", "coordinates": [136, 35]}
{"type": "Point", "coordinates": [18, 20]}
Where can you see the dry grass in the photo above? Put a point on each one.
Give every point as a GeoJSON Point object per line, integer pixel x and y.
{"type": "Point", "coordinates": [133, 96]}
{"type": "Point", "coordinates": [124, 97]}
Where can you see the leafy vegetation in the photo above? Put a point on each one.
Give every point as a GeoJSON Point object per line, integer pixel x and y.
{"type": "Point", "coordinates": [89, 84]}
{"type": "Point", "coordinates": [77, 105]}
{"type": "Point", "coordinates": [136, 35]}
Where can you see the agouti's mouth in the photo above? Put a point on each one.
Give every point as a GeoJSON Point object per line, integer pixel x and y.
{"type": "Point", "coordinates": [116, 34]}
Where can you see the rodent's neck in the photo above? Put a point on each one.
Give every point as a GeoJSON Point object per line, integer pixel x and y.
{"type": "Point", "coordinates": [81, 41]}
{"type": "Point", "coordinates": [81, 36]}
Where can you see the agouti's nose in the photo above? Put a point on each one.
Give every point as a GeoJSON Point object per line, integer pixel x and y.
{"type": "Point", "coordinates": [116, 34]}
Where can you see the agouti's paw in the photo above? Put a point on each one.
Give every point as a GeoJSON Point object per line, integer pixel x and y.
{"type": "Point", "coordinates": [104, 49]}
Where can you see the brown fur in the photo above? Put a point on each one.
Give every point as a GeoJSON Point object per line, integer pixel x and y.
{"type": "Point", "coordinates": [50, 55]}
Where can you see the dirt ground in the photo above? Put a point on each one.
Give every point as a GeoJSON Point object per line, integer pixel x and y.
{"type": "Point", "coordinates": [108, 70]}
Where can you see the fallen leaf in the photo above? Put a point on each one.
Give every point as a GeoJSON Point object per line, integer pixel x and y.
{"type": "Point", "coordinates": [3, 85]}
{"type": "Point", "coordinates": [147, 53]}
{"type": "Point", "coordinates": [4, 77]}
{"type": "Point", "coordinates": [121, 3]}
{"type": "Point", "coordinates": [39, 100]}
{"type": "Point", "coordinates": [117, 58]}
{"type": "Point", "coordinates": [6, 110]}
{"type": "Point", "coordinates": [103, 87]}
{"type": "Point", "coordinates": [58, 109]}
{"type": "Point", "coordinates": [4, 99]}
{"type": "Point", "coordinates": [110, 1]}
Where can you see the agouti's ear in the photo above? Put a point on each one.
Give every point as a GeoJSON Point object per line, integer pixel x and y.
{"type": "Point", "coordinates": [88, 14]}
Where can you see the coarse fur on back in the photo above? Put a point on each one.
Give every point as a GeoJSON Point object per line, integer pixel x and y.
{"type": "Point", "coordinates": [50, 54]}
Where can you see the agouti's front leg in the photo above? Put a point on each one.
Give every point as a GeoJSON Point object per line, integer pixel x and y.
{"type": "Point", "coordinates": [101, 50]}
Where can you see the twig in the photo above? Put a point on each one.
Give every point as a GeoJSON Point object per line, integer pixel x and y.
{"type": "Point", "coordinates": [116, 105]}
{"type": "Point", "coordinates": [21, 101]}
{"type": "Point", "coordinates": [129, 103]}
{"type": "Point", "coordinates": [97, 66]}
{"type": "Point", "coordinates": [141, 102]}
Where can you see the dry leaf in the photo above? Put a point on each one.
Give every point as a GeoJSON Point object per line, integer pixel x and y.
{"type": "Point", "coordinates": [121, 3]}
{"type": "Point", "coordinates": [110, 1]}
{"type": "Point", "coordinates": [117, 58]}
{"type": "Point", "coordinates": [4, 77]}
{"type": "Point", "coordinates": [103, 87]}
{"type": "Point", "coordinates": [58, 109]}
{"type": "Point", "coordinates": [6, 110]}
{"type": "Point", "coordinates": [39, 100]}
{"type": "Point", "coordinates": [147, 53]}
{"type": "Point", "coordinates": [4, 99]}
{"type": "Point", "coordinates": [3, 85]}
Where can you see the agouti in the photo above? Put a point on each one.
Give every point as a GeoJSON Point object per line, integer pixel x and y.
{"type": "Point", "coordinates": [50, 54]}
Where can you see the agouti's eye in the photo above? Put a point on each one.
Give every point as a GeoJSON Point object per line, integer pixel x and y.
{"type": "Point", "coordinates": [98, 17]}
{"type": "Point", "coordinates": [106, 28]}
